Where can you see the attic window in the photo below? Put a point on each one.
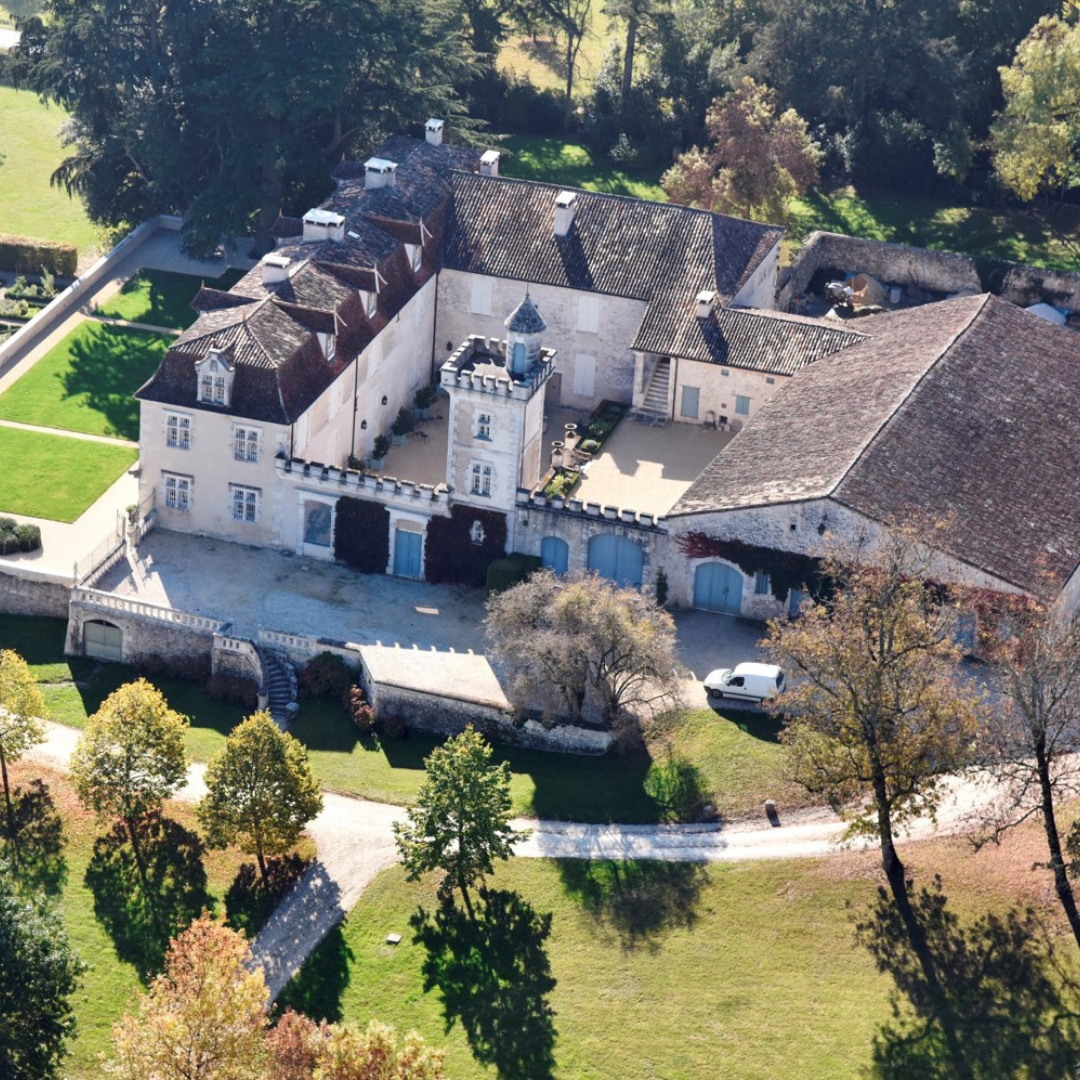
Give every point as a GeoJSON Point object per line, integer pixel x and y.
{"type": "Point", "coordinates": [215, 375]}
{"type": "Point", "coordinates": [416, 256]}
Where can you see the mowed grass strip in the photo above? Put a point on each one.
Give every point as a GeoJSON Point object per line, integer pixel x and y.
{"type": "Point", "coordinates": [29, 204]}
{"type": "Point", "coordinates": [86, 382]}
{"type": "Point", "coordinates": [54, 477]}
{"type": "Point", "coordinates": [162, 298]}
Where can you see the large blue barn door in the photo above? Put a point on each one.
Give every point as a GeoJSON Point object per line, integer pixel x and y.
{"type": "Point", "coordinates": [617, 559]}
{"type": "Point", "coordinates": [555, 554]}
{"type": "Point", "coordinates": [718, 587]}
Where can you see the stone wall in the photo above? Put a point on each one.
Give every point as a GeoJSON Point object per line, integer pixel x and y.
{"type": "Point", "coordinates": [27, 595]}
{"type": "Point", "coordinates": [440, 715]}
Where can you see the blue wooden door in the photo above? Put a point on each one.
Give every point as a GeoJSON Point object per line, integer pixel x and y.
{"type": "Point", "coordinates": [617, 559]}
{"type": "Point", "coordinates": [555, 554]}
{"type": "Point", "coordinates": [718, 587]}
{"type": "Point", "coordinates": [407, 547]}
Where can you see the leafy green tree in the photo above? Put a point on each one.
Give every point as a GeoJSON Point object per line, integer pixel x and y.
{"type": "Point", "coordinates": [756, 163]}
{"type": "Point", "coordinates": [876, 713]}
{"type": "Point", "coordinates": [461, 821]}
{"type": "Point", "coordinates": [130, 759]}
{"type": "Point", "coordinates": [39, 971]}
{"type": "Point", "coordinates": [1035, 137]}
{"type": "Point", "coordinates": [260, 791]}
{"type": "Point", "coordinates": [21, 710]}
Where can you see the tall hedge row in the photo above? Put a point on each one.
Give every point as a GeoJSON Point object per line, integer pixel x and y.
{"type": "Point", "coordinates": [456, 554]}
{"type": "Point", "coordinates": [362, 535]}
{"type": "Point", "coordinates": [26, 255]}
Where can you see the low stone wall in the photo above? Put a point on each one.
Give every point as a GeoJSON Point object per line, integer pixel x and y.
{"type": "Point", "coordinates": [29, 595]}
{"type": "Point", "coordinates": [440, 715]}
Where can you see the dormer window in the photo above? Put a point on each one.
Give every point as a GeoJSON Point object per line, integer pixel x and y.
{"type": "Point", "coordinates": [215, 375]}
{"type": "Point", "coordinates": [370, 300]}
{"type": "Point", "coordinates": [329, 344]}
{"type": "Point", "coordinates": [416, 256]}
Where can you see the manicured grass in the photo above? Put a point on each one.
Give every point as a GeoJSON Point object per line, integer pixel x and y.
{"type": "Point", "coordinates": [927, 221]}
{"type": "Point", "coordinates": [29, 205]}
{"type": "Point", "coordinates": [558, 161]}
{"type": "Point", "coordinates": [50, 476]}
{"type": "Point", "coordinates": [162, 298]}
{"type": "Point", "coordinates": [85, 382]}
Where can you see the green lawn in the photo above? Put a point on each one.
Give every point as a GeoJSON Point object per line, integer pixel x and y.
{"type": "Point", "coordinates": [85, 382]}
{"type": "Point", "coordinates": [29, 206]}
{"type": "Point", "coordinates": [56, 477]}
{"type": "Point", "coordinates": [663, 970]}
{"type": "Point", "coordinates": [543, 64]}
{"type": "Point", "coordinates": [162, 298]}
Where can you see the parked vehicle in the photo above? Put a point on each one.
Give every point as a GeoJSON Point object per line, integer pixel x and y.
{"type": "Point", "coordinates": [746, 682]}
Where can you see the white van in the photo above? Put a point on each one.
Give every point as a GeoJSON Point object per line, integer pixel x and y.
{"type": "Point", "coordinates": [747, 682]}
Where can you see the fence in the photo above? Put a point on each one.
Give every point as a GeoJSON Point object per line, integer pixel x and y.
{"type": "Point", "coordinates": [90, 569]}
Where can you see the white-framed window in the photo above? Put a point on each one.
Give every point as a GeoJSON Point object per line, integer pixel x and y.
{"type": "Point", "coordinates": [177, 491]}
{"type": "Point", "coordinates": [331, 347]}
{"type": "Point", "coordinates": [178, 431]}
{"type": "Point", "coordinates": [588, 314]}
{"type": "Point", "coordinates": [245, 503]}
{"type": "Point", "coordinates": [213, 389]}
{"type": "Point", "coordinates": [481, 479]}
{"type": "Point", "coordinates": [483, 426]}
{"type": "Point", "coordinates": [742, 405]}
{"type": "Point", "coordinates": [416, 256]}
{"type": "Point", "coordinates": [480, 302]}
{"type": "Point", "coordinates": [761, 583]}
{"type": "Point", "coordinates": [246, 443]}
{"type": "Point", "coordinates": [370, 300]}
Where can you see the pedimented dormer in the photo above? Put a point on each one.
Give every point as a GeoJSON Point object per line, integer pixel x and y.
{"type": "Point", "coordinates": [214, 374]}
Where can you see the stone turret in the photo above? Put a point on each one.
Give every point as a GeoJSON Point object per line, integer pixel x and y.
{"type": "Point", "coordinates": [524, 328]}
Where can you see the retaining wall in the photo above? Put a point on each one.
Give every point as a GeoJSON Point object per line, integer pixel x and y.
{"type": "Point", "coordinates": [28, 594]}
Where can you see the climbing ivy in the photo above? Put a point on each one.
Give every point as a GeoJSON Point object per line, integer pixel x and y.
{"type": "Point", "coordinates": [787, 570]}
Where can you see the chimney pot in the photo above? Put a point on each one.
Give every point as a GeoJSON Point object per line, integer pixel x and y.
{"type": "Point", "coordinates": [705, 301]}
{"type": "Point", "coordinates": [275, 269]}
{"type": "Point", "coordinates": [489, 163]}
{"type": "Point", "coordinates": [565, 205]}
{"type": "Point", "coordinates": [433, 132]}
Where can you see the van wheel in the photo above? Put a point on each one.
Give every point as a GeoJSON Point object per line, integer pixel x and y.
{"type": "Point", "coordinates": [716, 695]}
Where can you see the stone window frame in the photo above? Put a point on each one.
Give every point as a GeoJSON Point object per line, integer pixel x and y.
{"type": "Point", "coordinates": [214, 375]}
{"type": "Point", "coordinates": [762, 583]}
{"type": "Point", "coordinates": [481, 479]}
{"type": "Point", "coordinates": [483, 426]}
{"type": "Point", "coordinates": [177, 488]}
{"type": "Point", "coordinates": [245, 503]}
{"type": "Point", "coordinates": [178, 428]}
{"type": "Point", "coordinates": [247, 443]}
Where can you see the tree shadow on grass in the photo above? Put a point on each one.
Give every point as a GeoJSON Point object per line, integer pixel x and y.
{"type": "Point", "coordinates": [493, 975]}
{"type": "Point", "coordinates": [1015, 1008]}
{"type": "Point", "coordinates": [317, 988]}
{"type": "Point", "coordinates": [251, 899]}
{"type": "Point", "coordinates": [637, 899]}
{"type": "Point", "coordinates": [678, 789]}
{"type": "Point", "coordinates": [38, 863]}
{"type": "Point", "coordinates": [141, 920]}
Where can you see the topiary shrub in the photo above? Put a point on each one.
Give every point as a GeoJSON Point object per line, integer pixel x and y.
{"type": "Point", "coordinates": [15, 537]}
{"type": "Point", "coordinates": [27, 255]}
{"type": "Point", "coordinates": [460, 548]}
{"type": "Point", "coordinates": [504, 573]}
{"type": "Point", "coordinates": [358, 710]}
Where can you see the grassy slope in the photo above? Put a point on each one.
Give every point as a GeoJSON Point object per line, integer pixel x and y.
{"type": "Point", "coordinates": [162, 298]}
{"type": "Point", "coordinates": [85, 382]}
{"type": "Point", "coordinates": [57, 478]}
{"type": "Point", "coordinates": [543, 64]}
{"type": "Point", "coordinates": [31, 146]}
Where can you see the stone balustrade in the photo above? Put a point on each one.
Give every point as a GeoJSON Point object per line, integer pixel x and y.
{"type": "Point", "coordinates": [141, 609]}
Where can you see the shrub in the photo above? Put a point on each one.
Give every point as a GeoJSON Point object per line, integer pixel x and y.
{"type": "Point", "coordinates": [325, 677]}
{"type": "Point", "coordinates": [562, 483]}
{"type": "Point", "coordinates": [362, 535]}
{"type": "Point", "coordinates": [357, 709]}
{"type": "Point", "coordinates": [15, 537]}
{"type": "Point", "coordinates": [404, 423]}
{"type": "Point", "coordinates": [504, 573]}
{"type": "Point", "coordinates": [589, 446]}
{"type": "Point", "coordinates": [381, 447]}
{"type": "Point", "coordinates": [234, 688]}
{"type": "Point", "coordinates": [193, 669]}
{"type": "Point", "coordinates": [26, 255]}
{"type": "Point", "coordinates": [452, 554]}
{"type": "Point", "coordinates": [425, 397]}
{"type": "Point", "coordinates": [661, 587]}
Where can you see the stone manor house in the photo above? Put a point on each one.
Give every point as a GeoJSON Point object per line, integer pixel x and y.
{"type": "Point", "coordinates": [529, 307]}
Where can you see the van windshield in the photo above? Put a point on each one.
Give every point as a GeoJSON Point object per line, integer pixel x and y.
{"type": "Point", "coordinates": [780, 682]}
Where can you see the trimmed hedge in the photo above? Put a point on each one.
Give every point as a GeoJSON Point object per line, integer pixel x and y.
{"type": "Point", "coordinates": [452, 557]}
{"type": "Point", "coordinates": [27, 255]}
{"type": "Point", "coordinates": [15, 537]}
{"type": "Point", "coordinates": [505, 573]}
{"type": "Point", "coordinates": [362, 535]}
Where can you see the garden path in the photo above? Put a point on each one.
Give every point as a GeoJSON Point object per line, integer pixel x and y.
{"type": "Point", "coordinates": [85, 436]}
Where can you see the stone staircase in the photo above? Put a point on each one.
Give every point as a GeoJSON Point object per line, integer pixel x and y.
{"type": "Point", "coordinates": [280, 681]}
{"type": "Point", "coordinates": [654, 406]}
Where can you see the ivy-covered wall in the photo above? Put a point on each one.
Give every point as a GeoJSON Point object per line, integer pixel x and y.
{"type": "Point", "coordinates": [362, 535]}
{"type": "Point", "coordinates": [452, 555]}
{"type": "Point", "coordinates": [786, 569]}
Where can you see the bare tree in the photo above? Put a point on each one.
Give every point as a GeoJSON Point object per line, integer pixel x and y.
{"type": "Point", "coordinates": [571, 18]}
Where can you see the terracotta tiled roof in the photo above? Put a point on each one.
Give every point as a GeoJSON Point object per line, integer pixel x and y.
{"type": "Point", "coordinates": [739, 337]}
{"type": "Point", "coordinates": [965, 411]}
{"type": "Point", "coordinates": [214, 300]}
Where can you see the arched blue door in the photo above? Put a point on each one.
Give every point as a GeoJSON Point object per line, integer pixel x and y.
{"type": "Point", "coordinates": [555, 554]}
{"type": "Point", "coordinates": [718, 587]}
{"type": "Point", "coordinates": [617, 559]}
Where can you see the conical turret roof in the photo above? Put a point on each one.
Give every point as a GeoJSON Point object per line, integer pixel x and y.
{"type": "Point", "coordinates": [525, 319]}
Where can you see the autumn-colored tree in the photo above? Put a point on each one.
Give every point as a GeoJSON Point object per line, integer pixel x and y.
{"type": "Point", "coordinates": [756, 162]}
{"type": "Point", "coordinates": [1035, 136]}
{"type": "Point", "coordinates": [374, 1054]}
{"type": "Point", "coordinates": [293, 1045]}
{"type": "Point", "coordinates": [260, 792]}
{"type": "Point", "coordinates": [130, 758]}
{"type": "Point", "coordinates": [21, 710]}
{"type": "Point", "coordinates": [461, 820]}
{"type": "Point", "coordinates": [203, 1018]}
{"type": "Point", "coordinates": [876, 712]}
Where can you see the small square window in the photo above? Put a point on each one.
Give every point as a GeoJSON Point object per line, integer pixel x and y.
{"type": "Point", "coordinates": [742, 405]}
{"type": "Point", "coordinates": [761, 583]}
{"type": "Point", "coordinates": [769, 380]}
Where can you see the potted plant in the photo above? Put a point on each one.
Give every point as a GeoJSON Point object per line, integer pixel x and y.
{"type": "Point", "coordinates": [424, 399]}
{"type": "Point", "coordinates": [379, 450]}
{"type": "Point", "coordinates": [404, 423]}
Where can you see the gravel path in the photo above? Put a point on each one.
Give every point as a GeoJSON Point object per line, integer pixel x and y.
{"type": "Point", "coordinates": [354, 840]}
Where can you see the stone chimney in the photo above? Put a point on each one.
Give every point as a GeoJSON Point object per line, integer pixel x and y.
{"type": "Point", "coordinates": [379, 173]}
{"type": "Point", "coordinates": [433, 131]}
{"type": "Point", "coordinates": [705, 301]}
{"type": "Point", "coordinates": [489, 163]}
{"type": "Point", "coordinates": [275, 269]}
{"type": "Point", "coordinates": [565, 205]}
{"type": "Point", "coordinates": [322, 225]}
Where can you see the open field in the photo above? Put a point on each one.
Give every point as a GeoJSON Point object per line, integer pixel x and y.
{"type": "Point", "coordinates": [56, 477]}
{"type": "Point", "coordinates": [162, 298]}
{"type": "Point", "coordinates": [85, 382]}
{"type": "Point", "coordinates": [542, 61]}
{"type": "Point", "coordinates": [29, 206]}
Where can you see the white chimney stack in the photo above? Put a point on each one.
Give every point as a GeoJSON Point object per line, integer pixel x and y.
{"type": "Point", "coordinates": [565, 204]}
{"type": "Point", "coordinates": [705, 300]}
{"type": "Point", "coordinates": [275, 269]}
{"type": "Point", "coordinates": [433, 130]}
{"type": "Point", "coordinates": [320, 225]}
{"type": "Point", "coordinates": [489, 163]}
{"type": "Point", "coordinates": [379, 173]}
